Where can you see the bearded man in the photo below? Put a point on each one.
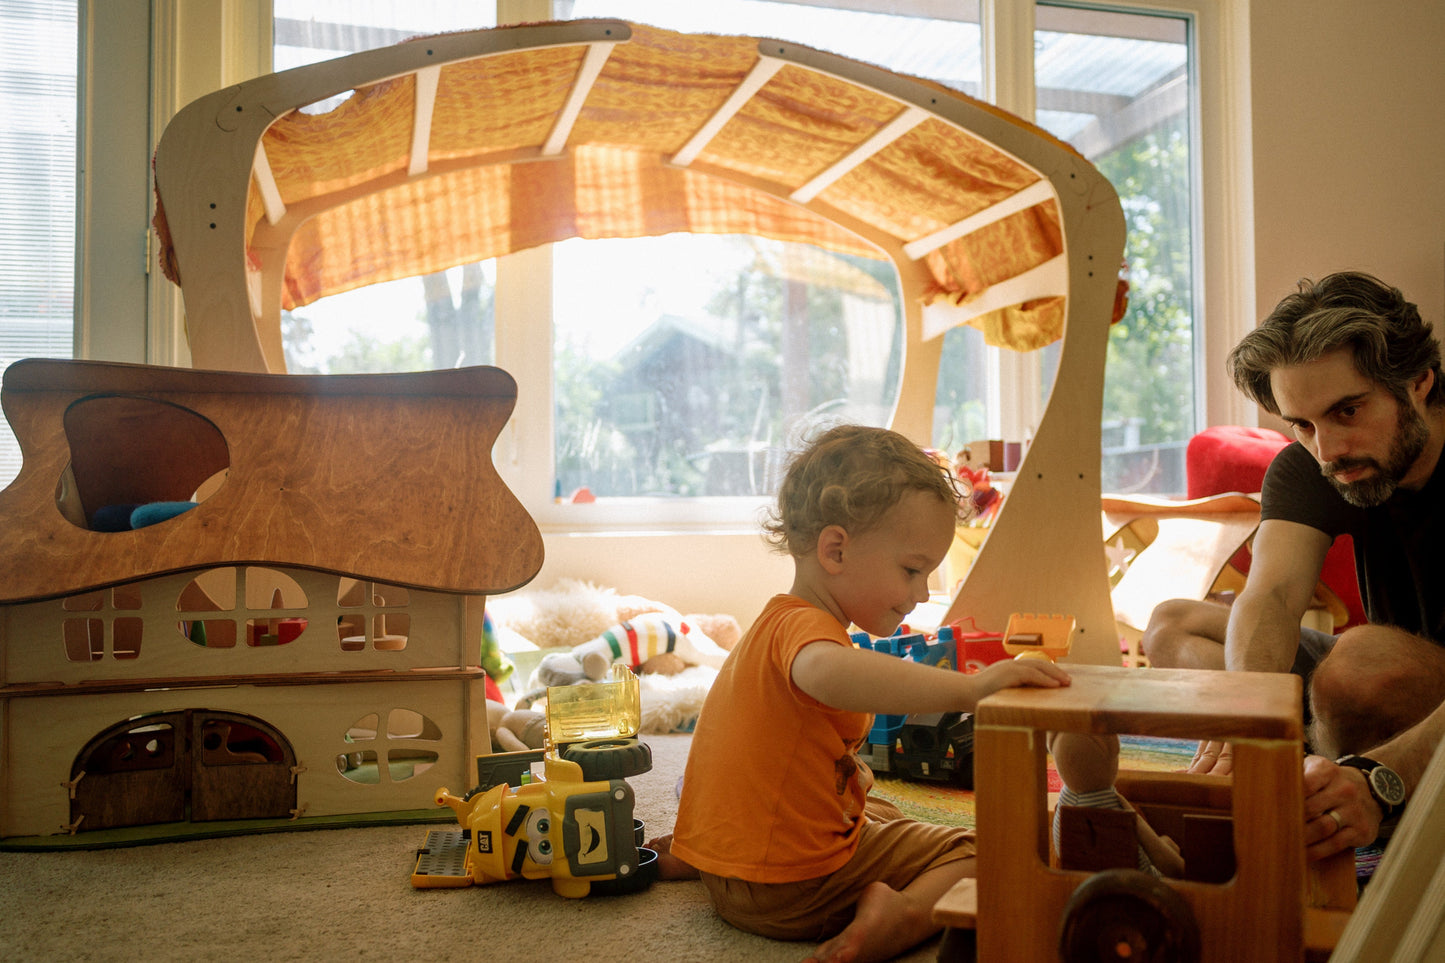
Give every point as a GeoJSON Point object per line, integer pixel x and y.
{"type": "Point", "coordinates": [1349, 364]}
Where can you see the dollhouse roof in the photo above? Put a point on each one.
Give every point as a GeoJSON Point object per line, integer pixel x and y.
{"type": "Point", "coordinates": [379, 477]}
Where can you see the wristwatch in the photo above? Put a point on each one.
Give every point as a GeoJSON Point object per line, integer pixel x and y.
{"type": "Point", "coordinates": [1385, 783]}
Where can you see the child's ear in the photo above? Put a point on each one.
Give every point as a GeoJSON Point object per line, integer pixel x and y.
{"type": "Point", "coordinates": [831, 543]}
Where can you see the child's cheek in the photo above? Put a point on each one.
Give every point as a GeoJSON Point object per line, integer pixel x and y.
{"type": "Point", "coordinates": [865, 778]}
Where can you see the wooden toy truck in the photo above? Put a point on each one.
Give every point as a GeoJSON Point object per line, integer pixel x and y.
{"type": "Point", "coordinates": [1270, 907]}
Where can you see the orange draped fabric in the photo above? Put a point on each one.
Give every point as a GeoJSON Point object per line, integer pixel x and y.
{"type": "Point", "coordinates": [488, 190]}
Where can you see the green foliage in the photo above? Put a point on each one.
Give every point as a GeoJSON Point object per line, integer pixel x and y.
{"type": "Point", "coordinates": [363, 355]}
{"type": "Point", "coordinates": [359, 355]}
{"type": "Point", "coordinates": [1150, 372]}
{"type": "Point", "coordinates": [690, 409]}
{"type": "Point", "coordinates": [959, 412]}
{"type": "Point", "coordinates": [297, 346]}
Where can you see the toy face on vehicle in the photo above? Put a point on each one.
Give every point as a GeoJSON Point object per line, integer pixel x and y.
{"type": "Point", "coordinates": [572, 822]}
{"type": "Point", "coordinates": [535, 844]}
{"type": "Point", "coordinates": [563, 828]}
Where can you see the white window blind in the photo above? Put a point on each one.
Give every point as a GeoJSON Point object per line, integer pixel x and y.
{"type": "Point", "coordinates": [37, 187]}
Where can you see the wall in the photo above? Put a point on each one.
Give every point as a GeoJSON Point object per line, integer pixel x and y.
{"type": "Point", "coordinates": [734, 573]}
{"type": "Point", "coordinates": [1349, 130]}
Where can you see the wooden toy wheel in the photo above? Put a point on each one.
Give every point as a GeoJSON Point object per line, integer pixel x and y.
{"type": "Point", "coordinates": [1124, 914]}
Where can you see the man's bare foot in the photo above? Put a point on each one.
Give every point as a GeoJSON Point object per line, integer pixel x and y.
{"type": "Point", "coordinates": [668, 865]}
{"type": "Point", "coordinates": [885, 923]}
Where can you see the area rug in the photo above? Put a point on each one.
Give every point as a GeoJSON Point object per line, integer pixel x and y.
{"type": "Point", "coordinates": [950, 806]}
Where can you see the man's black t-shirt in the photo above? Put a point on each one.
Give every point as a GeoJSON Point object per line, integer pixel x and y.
{"type": "Point", "coordinates": [1399, 546]}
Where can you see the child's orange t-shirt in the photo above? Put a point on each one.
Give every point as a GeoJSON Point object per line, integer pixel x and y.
{"type": "Point", "coordinates": [773, 791]}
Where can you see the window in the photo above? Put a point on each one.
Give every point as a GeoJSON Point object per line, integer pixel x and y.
{"type": "Point", "coordinates": [660, 390]}
{"type": "Point", "coordinates": [766, 340]}
{"type": "Point", "coordinates": [37, 188]}
{"type": "Point", "coordinates": [682, 365]}
{"type": "Point", "coordinates": [1118, 87]}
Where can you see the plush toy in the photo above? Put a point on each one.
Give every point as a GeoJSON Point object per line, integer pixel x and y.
{"type": "Point", "coordinates": [513, 730]}
{"type": "Point", "coordinates": [573, 612]}
{"type": "Point", "coordinates": [576, 614]}
{"type": "Point", "coordinates": [640, 644]}
{"type": "Point", "coordinates": [636, 642]}
{"type": "Point", "coordinates": [497, 665]}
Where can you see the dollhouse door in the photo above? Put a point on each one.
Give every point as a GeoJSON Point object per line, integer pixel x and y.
{"type": "Point", "coordinates": [196, 764]}
{"type": "Point", "coordinates": [132, 774]}
{"type": "Point", "coordinates": [240, 768]}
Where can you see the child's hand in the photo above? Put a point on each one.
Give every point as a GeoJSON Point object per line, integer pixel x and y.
{"type": "Point", "coordinates": [1017, 672]}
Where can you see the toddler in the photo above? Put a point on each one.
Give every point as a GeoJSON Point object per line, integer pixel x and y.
{"type": "Point", "coordinates": [775, 814]}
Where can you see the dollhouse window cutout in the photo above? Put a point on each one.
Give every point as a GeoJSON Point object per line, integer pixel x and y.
{"type": "Point", "coordinates": [274, 603]}
{"type": "Point", "coordinates": [136, 462]}
{"type": "Point", "coordinates": [378, 616]}
{"type": "Point", "coordinates": [84, 637]}
{"type": "Point", "coordinates": [394, 743]}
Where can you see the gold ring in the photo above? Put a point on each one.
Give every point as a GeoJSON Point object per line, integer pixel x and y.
{"type": "Point", "coordinates": [1339, 823]}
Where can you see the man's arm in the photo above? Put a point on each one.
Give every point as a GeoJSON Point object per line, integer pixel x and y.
{"type": "Point", "coordinates": [1410, 752]}
{"type": "Point", "coordinates": [1264, 622]}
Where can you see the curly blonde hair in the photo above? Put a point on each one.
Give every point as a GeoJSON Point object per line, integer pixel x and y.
{"type": "Point", "coordinates": [850, 476]}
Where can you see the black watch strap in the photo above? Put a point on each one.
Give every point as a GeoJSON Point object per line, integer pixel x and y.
{"type": "Point", "coordinates": [1385, 785]}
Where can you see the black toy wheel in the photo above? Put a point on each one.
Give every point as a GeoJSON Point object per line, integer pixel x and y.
{"type": "Point", "coordinates": [603, 759]}
{"type": "Point", "coordinates": [1123, 914]}
{"type": "Point", "coordinates": [644, 877]}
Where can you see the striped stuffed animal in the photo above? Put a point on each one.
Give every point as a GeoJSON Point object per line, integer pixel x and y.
{"type": "Point", "coordinates": [639, 639]}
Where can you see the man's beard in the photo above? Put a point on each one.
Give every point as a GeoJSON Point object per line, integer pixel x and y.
{"type": "Point", "coordinates": [1411, 434]}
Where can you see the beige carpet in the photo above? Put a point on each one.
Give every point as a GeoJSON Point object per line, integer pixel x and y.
{"type": "Point", "coordinates": [346, 894]}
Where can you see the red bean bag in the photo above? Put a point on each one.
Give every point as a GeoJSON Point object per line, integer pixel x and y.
{"type": "Point", "coordinates": [1233, 458]}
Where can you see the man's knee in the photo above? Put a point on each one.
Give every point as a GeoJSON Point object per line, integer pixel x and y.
{"type": "Point", "coordinates": [1180, 625]}
{"type": "Point", "coordinates": [1374, 683]}
{"type": "Point", "coordinates": [1371, 661]}
{"type": "Point", "coordinates": [1348, 679]}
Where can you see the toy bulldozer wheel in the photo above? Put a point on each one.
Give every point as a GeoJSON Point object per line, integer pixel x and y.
{"type": "Point", "coordinates": [1123, 914]}
{"type": "Point", "coordinates": [604, 759]}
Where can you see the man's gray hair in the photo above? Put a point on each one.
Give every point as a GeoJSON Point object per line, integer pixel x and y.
{"type": "Point", "coordinates": [1391, 345]}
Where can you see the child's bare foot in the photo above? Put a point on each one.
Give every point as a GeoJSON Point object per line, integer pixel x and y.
{"type": "Point", "coordinates": [668, 865]}
{"type": "Point", "coordinates": [885, 923]}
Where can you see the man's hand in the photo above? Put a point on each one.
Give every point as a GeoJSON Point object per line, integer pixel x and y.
{"type": "Point", "coordinates": [1213, 759]}
{"type": "Point", "coordinates": [1340, 813]}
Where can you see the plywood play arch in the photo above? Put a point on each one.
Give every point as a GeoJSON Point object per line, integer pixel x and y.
{"type": "Point", "coordinates": [455, 148]}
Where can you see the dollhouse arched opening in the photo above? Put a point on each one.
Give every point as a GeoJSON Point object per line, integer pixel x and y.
{"type": "Point", "coordinates": [195, 765]}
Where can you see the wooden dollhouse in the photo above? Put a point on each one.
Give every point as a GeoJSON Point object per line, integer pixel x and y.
{"type": "Point", "coordinates": [300, 641]}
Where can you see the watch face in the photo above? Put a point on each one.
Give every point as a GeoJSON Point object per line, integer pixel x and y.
{"type": "Point", "coordinates": [1387, 785]}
